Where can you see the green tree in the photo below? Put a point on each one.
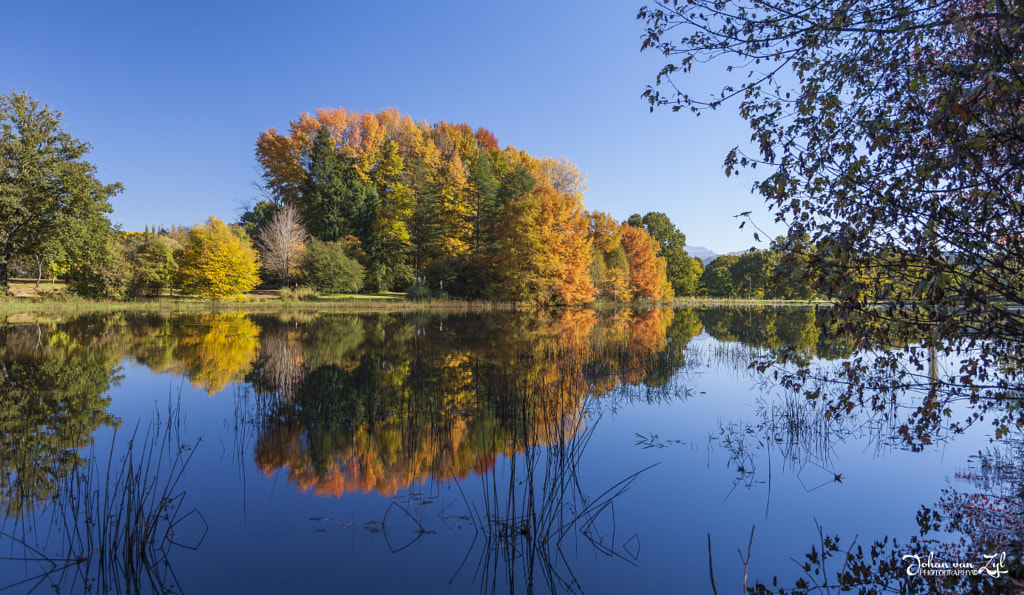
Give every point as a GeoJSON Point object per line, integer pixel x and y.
{"type": "Point", "coordinates": [335, 202]}
{"type": "Point", "coordinates": [521, 274]}
{"type": "Point", "coordinates": [389, 234]}
{"type": "Point", "coordinates": [153, 265]}
{"type": "Point", "coordinates": [99, 267]}
{"type": "Point", "coordinates": [53, 398]}
{"type": "Point", "coordinates": [425, 228]}
{"type": "Point", "coordinates": [893, 137]}
{"type": "Point", "coordinates": [254, 218]}
{"type": "Point", "coordinates": [717, 279]}
{"type": "Point", "coordinates": [792, 279]}
{"type": "Point", "coordinates": [48, 192]}
{"type": "Point", "coordinates": [751, 274]}
{"type": "Point", "coordinates": [689, 284]}
{"type": "Point", "coordinates": [218, 262]}
{"type": "Point", "coordinates": [483, 194]}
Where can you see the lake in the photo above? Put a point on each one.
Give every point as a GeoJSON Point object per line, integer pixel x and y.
{"type": "Point", "coordinates": [574, 451]}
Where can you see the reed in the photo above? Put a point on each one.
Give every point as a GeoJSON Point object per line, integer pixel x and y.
{"type": "Point", "coordinates": [534, 504]}
{"type": "Point", "coordinates": [112, 524]}
{"type": "Point", "coordinates": [709, 302]}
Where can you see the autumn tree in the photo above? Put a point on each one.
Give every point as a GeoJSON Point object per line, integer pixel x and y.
{"type": "Point", "coordinates": [449, 181]}
{"type": "Point", "coordinates": [521, 267]}
{"type": "Point", "coordinates": [389, 234]}
{"type": "Point", "coordinates": [282, 243]}
{"type": "Point", "coordinates": [566, 239]}
{"type": "Point", "coordinates": [216, 349]}
{"type": "Point", "coordinates": [609, 269]}
{"type": "Point", "coordinates": [617, 275]}
{"type": "Point", "coordinates": [682, 273]}
{"type": "Point", "coordinates": [218, 262]}
{"type": "Point", "coordinates": [646, 270]}
{"type": "Point", "coordinates": [563, 175]}
{"type": "Point", "coordinates": [50, 199]}
{"type": "Point", "coordinates": [441, 205]}
{"type": "Point", "coordinates": [893, 139]}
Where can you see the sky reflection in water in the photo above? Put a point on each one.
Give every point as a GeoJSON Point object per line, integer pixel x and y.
{"type": "Point", "coordinates": [575, 451]}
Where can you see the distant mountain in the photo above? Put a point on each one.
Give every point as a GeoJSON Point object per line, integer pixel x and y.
{"type": "Point", "coordinates": [705, 255]}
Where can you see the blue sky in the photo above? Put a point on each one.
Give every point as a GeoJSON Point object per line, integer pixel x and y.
{"type": "Point", "coordinates": [172, 95]}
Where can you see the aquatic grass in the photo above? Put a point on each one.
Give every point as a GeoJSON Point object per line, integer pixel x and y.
{"type": "Point", "coordinates": [113, 524]}
{"type": "Point", "coordinates": [709, 302]}
{"type": "Point", "coordinates": [534, 501]}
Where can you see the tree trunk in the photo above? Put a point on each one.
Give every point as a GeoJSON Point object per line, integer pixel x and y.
{"type": "Point", "coordinates": [3, 275]}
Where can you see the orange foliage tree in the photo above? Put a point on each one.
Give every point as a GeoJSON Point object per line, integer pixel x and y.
{"type": "Point", "coordinates": [567, 245]}
{"type": "Point", "coordinates": [646, 270]}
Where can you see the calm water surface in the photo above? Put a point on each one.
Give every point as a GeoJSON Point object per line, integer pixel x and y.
{"type": "Point", "coordinates": [571, 452]}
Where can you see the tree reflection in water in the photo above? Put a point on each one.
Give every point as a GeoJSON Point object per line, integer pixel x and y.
{"type": "Point", "coordinates": [52, 399]}
{"type": "Point", "coordinates": [504, 404]}
{"type": "Point", "coordinates": [980, 527]}
{"type": "Point", "coordinates": [402, 401]}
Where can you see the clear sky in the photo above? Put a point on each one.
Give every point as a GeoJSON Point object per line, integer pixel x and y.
{"type": "Point", "coordinates": [172, 95]}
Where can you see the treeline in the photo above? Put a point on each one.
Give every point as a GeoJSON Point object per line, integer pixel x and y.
{"type": "Point", "coordinates": [790, 270]}
{"type": "Point", "coordinates": [776, 273]}
{"type": "Point", "coordinates": [441, 209]}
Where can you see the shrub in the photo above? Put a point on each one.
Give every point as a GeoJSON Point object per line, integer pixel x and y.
{"type": "Point", "coordinates": [329, 268]}
{"type": "Point", "coordinates": [419, 292]}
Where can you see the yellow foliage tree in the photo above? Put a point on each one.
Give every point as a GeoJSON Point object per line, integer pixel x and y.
{"type": "Point", "coordinates": [218, 262]}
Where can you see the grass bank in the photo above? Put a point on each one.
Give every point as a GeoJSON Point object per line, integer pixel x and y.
{"type": "Point", "coordinates": [25, 298]}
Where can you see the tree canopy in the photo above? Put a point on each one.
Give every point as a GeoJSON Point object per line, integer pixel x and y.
{"type": "Point", "coordinates": [894, 139]}
{"type": "Point", "coordinates": [50, 200]}
{"type": "Point", "coordinates": [440, 205]}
